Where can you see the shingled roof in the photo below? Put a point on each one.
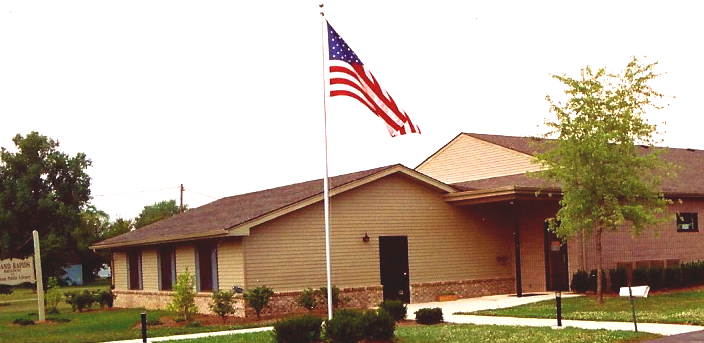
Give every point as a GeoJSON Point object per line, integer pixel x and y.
{"type": "Point", "coordinates": [216, 218]}
{"type": "Point", "coordinates": [689, 181]}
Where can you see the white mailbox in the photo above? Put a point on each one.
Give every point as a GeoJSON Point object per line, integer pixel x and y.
{"type": "Point", "coordinates": [638, 291]}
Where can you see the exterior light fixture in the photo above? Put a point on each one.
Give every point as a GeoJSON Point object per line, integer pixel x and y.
{"type": "Point", "coordinates": [366, 238]}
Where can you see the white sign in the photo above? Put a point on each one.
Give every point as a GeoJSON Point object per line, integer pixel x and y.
{"type": "Point", "coordinates": [15, 271]}
{"type": "Point", "coordinates": [638, 291]}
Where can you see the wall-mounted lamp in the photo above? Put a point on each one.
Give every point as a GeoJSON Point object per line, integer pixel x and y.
{"type": "Point", "coordinates": [366, 238]}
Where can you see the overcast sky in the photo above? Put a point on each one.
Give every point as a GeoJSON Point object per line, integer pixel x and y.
{"type": "Point", "coordinates": [226, 97]}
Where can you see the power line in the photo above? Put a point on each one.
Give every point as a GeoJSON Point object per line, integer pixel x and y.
{"type": "Point", "coordinates": [194, 191]}
{"type": "Point", "coordinates": [153, 190]}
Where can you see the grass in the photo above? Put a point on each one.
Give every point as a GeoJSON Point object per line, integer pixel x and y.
{"type": "Point", "coordinates": [448, 333]}
{"type": "Point", "coordinates": [683, 307]}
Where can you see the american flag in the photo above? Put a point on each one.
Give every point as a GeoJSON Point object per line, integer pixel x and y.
{"type": "Point", "coordinates": [349, 77]}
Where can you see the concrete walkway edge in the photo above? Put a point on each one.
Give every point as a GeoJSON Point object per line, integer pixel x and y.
{"type": "Point", "coordinates": [197, 335]}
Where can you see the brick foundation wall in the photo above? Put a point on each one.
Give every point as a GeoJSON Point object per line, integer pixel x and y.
{"type": "Point", "coordinates": [427, 291]}
{"type": "Point", "coordinates": [281, 303]}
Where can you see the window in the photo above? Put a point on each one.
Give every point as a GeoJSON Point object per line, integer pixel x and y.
{"type": "Point", "coordinates": [687, 222]}
{"type": "Point", "coordinates": [207, 268]}
{"type": "Point", "coordinates": [167, 268]}
{"type": "Point", "coordinates": [134, 269]}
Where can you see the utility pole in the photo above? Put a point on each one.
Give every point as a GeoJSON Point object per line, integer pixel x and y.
{"type": "Point", "coordinates": [181, 198]}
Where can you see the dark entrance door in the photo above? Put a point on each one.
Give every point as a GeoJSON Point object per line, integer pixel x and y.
{"type": "Point", "coordinates": [393, 265]}
{"type": "Point", "coordinates": [556, 275]}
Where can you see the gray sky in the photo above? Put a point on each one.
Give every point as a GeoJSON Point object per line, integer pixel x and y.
{"type": "Point", "coordinates": [226, 96]}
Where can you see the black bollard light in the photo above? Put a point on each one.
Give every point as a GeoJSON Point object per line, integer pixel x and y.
{"type": "Point", "coordinates": [558, 301]}
{"type": "Point", "coordinates": [144, 327]}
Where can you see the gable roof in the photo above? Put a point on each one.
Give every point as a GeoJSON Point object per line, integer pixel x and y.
{"type": "Point", "coordinates": [220, 217]}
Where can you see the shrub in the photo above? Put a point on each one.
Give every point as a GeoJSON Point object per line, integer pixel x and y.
{"type": "Point", "coordinates": [323, 293]}
{"type": "Point", "coordinates": [308, 299]}
{"type": "Point", "coordinates": [396, 308]}
{"type": "Point", "coordinates": [580, 282]}
{"type": "Point", "coordinates": [673, 277]}
{"type": "Point", "coordinates": [53, 296]}
{"type": "Point", "coordinates": [429, 316]}
{"type": "Point", "coordinates": [183, 301]}
{"type": "Point", "coordinates": [193, 324]}
{"type": "Point", "coordinates": [693, 273]}
{"type": "Point", "coordinates": [641, 277]}
{"type": "Point", "coordinates": [258, 298]}
{"type": "Point", "coordinates": [345, 327]}
{"type": "Point", "coordinates": [592, 280]}
{"type": "Point", "coordinates": [23, 321]}
{"type": "Point", "coordinates": [378, 324]}
{"type": "Point", "coordinates": [301, 329]}
{"type": "Point", "coordinates": [79, 300]}
{"type": "Point", "coordinates": [656, 276]}
{"type": "Point", "coordinates": [619, 278]}
{"type": "Point", "coordinates": [104, 298]}
{"type": "Point", "coordinates": [5, 289]}
{"type": "Point", "coordinates": [223, 303]}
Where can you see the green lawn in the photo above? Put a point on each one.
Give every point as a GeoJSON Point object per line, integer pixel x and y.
{"type": "Point", "coordinates": [461, 333]}
{"type": "Point", "coordinates": [686, 307]}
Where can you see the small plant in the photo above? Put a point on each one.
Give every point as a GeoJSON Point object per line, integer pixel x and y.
{"type": "Point", "coordinates": [179, 319]}
{"type": "Point", "coordinates": [257, 298]}
{"type": "Point", "coordinates": [378, 324]}
{"type": "Point", "coordinates": [5, 289]}
{"type": "Point", "coordinates": [429, 316]}
{"type": "Point", "coordinates": [580, 282]}
{"type": "Point", "coordinates": [323, 293]}
{"type": "Point", "coordinates": [194, 324]}
{"type": "Point", "coordinates": [301, 329]}
{"type": "Point", "coordinates": [79, 300]}
{"type": "Point", "coordinates": [223, 303]}
{"type": "Point", "coordinates": [308, 299]}
{"type": "Point", "coordinates": [104, 298]}
{"type": "Point", "coordinates": [183, 301]}
{"type": "Point", "coordinates": [23, 321]}
{"type": "Point", "coordinates": [396, 308]}
{"type": "Point", "coordinates": [345, 327]}
{"type": "Point", "coordinates": [53, 296]}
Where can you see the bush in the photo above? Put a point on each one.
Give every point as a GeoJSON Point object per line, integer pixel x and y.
{"type": "Point", "coordinates": [104, 298]}
{"type": "Point", "coordinates": [193, 324]}
{"type": "Point", "coordinates": [641, 277]}
{"type": "Point", "coordinates": [378, 324]}
{"type": "Point", "coordinates": [396, 308]}
{"type": "Point", "coordinates": [429, 316]}
{"type": "Point", "coordinates": [53, 296]}
{"type": "Point", "coordinates": [693, 273]}
{"type": "Point", "coordinates": [619, 278]}
{"type": "Point", "coordinates": [592, 280]}
{"type": "Point", "coordinates": [345, 327]}
{"type": "Point", "coordinates": [673, 277]}
{"type": "Point", "coordinates": [308, 299]}
{"type": "Point", "coordinates": [323, 293]}
{"type": "Point", "coordinates": [580, 282]}
{"type": "Point", "coordinates": [79, 300]}
{"type": "Point", "coordinates": [258, 298]}
{"type": "Point", "coordinates": [223, 303]}
{"type": "Point", "coordinates": [183, 301]}
{"type": "Point", "coordinates": [298, 329]}
{"type": "Point", "coordinates": [23, 321]}
{"type": "Point", "coordinates": [656, 278]}
{"type": "Point", "coordinates": [5, 289]}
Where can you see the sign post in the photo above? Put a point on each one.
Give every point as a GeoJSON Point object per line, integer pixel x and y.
{"type": "Point", "coordinates": [631, 292]}
{"type": "Point", "coordinates": [40, 283]}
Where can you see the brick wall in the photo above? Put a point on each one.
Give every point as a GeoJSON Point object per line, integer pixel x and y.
{"type": "Point", "coordinates": [159, 300]}
{"type": "Point", "coordinates": [427, 292]}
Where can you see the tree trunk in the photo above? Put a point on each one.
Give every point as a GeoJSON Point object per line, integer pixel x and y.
{"type": "Point", "coordinates": [599, 291]}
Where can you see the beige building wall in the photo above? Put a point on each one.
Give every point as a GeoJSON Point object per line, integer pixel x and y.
{"type": "Point", "coordinates": [120, 272]}
{"type": "Point", "coordinates": [230, 263]}
{"type": "Point", "coordinates": [658, 243]}
{"type": "Point", "coordinates": [445, 243]}
{"type": "Point", "coordinates": [150, 272]}
{"type": "Point", "coordinates": [467, 158]}
{"type": "Point", "coordinates": [185, 259]}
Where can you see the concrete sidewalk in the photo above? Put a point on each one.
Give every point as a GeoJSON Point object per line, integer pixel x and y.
{"type": "Point", "coordinates": [197, 335]}
{"type": "Point", "coordinates": [503, 301]}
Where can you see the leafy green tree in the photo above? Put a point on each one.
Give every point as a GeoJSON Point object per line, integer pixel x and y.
{"type": "Point", "coordinates": [223, 303]}
{"type": "Point", "coordinates": [257, 298]}
{"type": "Point", "coordinates": [184, 298]}
{"type": "Point", "coordinates": [93, 224]}
{"type": "Point", "coordinates": [605, 179]}
{"type": "Point", "coordinates": [156, 212]}
{"type": "Point", "coordinates": [45, 190]}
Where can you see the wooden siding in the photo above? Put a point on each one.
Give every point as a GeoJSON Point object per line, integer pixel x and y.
{"type": "Point", "coordinates": [468, 158]}
{"type": "Point", "coordinates": [445, 243]}
{"type": "Point", "coordinates": [185, 259]}
{"type": "Point", "coordinates": [230, 263]}
{"type": "Point", "coordinates": [150, 273]}
{"type": "Point", "coordinates": [659, 243]}
{"type": "Point", "coordinates": [120, 270]}
{"type": "Point", "coordinates": [532, 217]}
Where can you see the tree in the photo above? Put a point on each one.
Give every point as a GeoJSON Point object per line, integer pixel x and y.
{"type": "Point", "coordinates": [158, 211]}
{"type": "Point", "coordinates": [184, 298]}
{"type": "Point", "coordinates": [257, 298]}
{"type": "Point", "coordinates": [605, 179]}
{"type": "Point", "coordinates": [93, 224]}
{"type": "Point", "coordinates": [45, 190]}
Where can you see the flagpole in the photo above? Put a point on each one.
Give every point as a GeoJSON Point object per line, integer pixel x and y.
{"type": "Point", "coordinates": [326, 192]}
